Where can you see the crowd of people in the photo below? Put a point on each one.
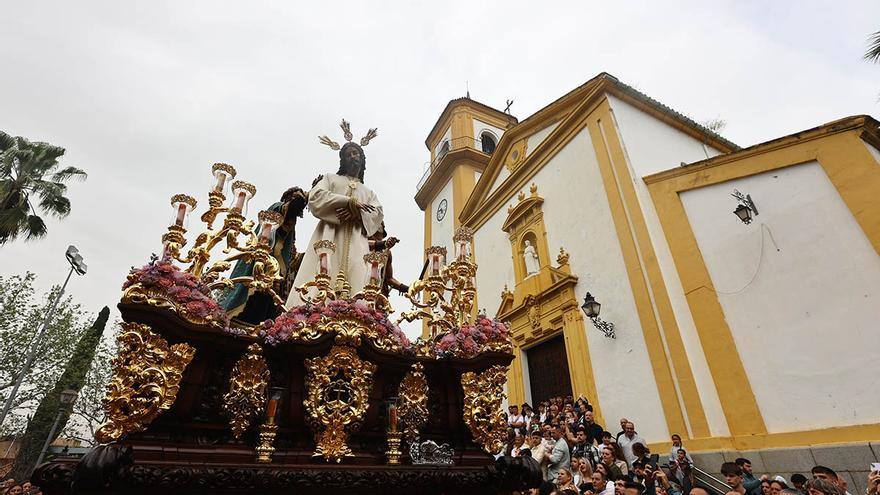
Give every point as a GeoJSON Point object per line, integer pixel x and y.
{"type": "Point", "coordinates": [11, 487]}
{"type": "Point", "coordinates": [579, 457]}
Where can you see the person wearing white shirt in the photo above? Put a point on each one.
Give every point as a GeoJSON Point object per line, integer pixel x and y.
{"type": "Point", "coordinates": [600, 481]}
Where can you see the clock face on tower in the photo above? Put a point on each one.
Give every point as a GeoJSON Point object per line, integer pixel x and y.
{"type": "Point", "coordinates": [441, 210]}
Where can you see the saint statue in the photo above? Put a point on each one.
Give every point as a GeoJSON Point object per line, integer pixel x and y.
{"type": "Point", "coordinates": [348, 214]}
{"type": "Point", "coordinates": [530, 256]}
{"type": "Point", "coordinates": [242, 303]}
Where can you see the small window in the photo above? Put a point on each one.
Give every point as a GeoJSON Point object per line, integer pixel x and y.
{"type": "Point", "coordinates": [488, 142]}
{"type": "Point", "coordinates": [444, 148]}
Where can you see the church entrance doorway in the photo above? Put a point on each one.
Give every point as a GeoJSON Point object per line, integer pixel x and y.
{"type": "Point", "coordinates": [548, 370]}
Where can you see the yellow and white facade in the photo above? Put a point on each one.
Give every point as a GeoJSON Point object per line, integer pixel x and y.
{"type": "Point", "coordinates": [734, 336]}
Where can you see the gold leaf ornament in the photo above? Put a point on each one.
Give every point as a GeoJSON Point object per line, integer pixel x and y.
{"type": "Point", "coordinates": [483, 394]}
{"type": "Point", "coordinates": [413, 402]}
{"type": "Point", "coordinates": [247, 390]}
{"type": "Point", "coordinates": [146, 378]}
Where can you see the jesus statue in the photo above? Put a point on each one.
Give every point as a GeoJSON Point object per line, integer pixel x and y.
{"type": "Point", "coordinates": [348, 214]}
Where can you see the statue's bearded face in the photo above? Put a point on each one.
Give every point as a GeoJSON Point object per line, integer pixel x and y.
{"type": "Point", "coordinates": [353, 159]}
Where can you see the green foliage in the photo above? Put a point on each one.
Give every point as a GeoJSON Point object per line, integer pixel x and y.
{"type": "Point", "coordinates": [88, 411]}
{"type": "Point", "coordinates": [74, 377]}
{"type": "Point", "coordinates": [30, 178]}
{"type": "Point", "coordinates": [21, 314]}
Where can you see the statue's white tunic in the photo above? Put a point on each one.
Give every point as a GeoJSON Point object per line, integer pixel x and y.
{"type": "Point", "coordinates": [330, 193]}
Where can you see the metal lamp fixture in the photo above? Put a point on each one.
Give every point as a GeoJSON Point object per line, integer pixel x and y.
{"type": "Point", "coordinates": [745, 208]}
{"type": "Point", "coordinates": [591, 308]}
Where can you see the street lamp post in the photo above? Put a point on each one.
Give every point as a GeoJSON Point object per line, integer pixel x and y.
{"type": "Point", "coordinates": [76, 265]}
{"type": "Point", "coordinates": [68, 397]}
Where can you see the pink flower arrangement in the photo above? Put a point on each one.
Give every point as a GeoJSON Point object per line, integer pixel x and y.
{"type": "Point", "coordinates": [281, 330]}
{"type": "Point", "coordinates": [181, 287]}
{"type": "Point", "coordinates": [470, 340]}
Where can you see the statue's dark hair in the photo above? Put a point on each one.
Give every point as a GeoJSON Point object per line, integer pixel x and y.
{"type": "Point", "coordinates": [341, 170]}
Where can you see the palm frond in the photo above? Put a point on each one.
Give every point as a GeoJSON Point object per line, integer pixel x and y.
{"type": "Point", "coordinates": [36, 228]}
{"type": "Point", "coordinates": [55, 205]}
{"type": "Point", "coordinates": [6, 141]}
{"type": "Point", "coordinates": [873, 53]}
{"type": "Point", "coordinates": [68, 173]}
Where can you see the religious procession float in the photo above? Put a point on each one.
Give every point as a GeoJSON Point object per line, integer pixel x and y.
{"type": "Point", "coordinates": [290, 374]}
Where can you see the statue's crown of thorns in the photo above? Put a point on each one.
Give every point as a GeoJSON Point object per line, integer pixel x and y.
{"type": "Point", "coordinates": [346, 130]}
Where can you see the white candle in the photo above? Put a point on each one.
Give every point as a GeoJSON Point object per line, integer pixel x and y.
{"type": "Point", "coordinates": [324, 263]}
{"type": "Point", "coordinates": [374, 273]}
{"type": "Point", "coordinates": [221, 182]}
{"type": "Point", "coordinates": [239, 202]}
{"type": "Point", "coordinates": [181, 214]}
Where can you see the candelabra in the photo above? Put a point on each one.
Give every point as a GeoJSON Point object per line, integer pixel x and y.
{"type": "Point", "coordinates": [255, 248]}
{"type": "Point", "coordinates": [429, 294]}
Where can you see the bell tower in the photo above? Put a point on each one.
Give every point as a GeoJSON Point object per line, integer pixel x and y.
{"type": "Point", "coordinates": [461, 144]}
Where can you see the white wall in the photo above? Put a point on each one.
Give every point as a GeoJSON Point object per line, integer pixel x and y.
{"type": "Point", "coordinates": [652, 145]}
{"type": "Point", "coordinates": [647, 143]}
{"type": "Point", "coordinates": [622, 369]}
{"type": "Point", "coordinates": [537, 138]}
{"type": "Point", "coordinates": [804, 318]}
{"type": "Point", "coordinates": [441, 231]}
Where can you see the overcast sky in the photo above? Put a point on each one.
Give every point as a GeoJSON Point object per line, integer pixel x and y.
{"type": "Point", "coordinates": [145, 96]}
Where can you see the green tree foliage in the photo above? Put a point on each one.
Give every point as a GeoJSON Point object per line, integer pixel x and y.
{"type": "Point", "coordinates": [21, 314]}
{"type": "Point", "coordinates": [88, 411]}
{"type": "Point", "coordinates": [31, 179]}
{"type": "Point", "coordinates": [74, 377]}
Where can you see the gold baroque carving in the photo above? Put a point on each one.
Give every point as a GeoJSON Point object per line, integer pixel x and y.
{"type": "Point", "coordinates": [516, 155]}
{"type": "Point", "coordinates": [483, 394]}
{"type": "Point", "coordinates": [247, 390]}
{"type": "Point", "coordinates": [350, 331]}
{"type": "Point", "coordinates": [338, 390]}
{"type": "Point", "coordinates": [146, 378]}
{"type": "Point", "coordinates": [413, 400]}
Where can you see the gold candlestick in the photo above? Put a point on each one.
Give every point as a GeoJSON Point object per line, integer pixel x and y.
{"type": "Point", "coordinates": [267, 438]}
{"type": "Point", "coordinates": [393, 453]}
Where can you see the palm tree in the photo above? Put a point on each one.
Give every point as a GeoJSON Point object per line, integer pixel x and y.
{"type": "Point", "coordinates": [30, 179]}
{"type": "Point", "coordinates": [873, 53]}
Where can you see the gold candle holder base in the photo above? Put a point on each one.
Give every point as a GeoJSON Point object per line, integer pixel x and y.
{"type": "Point", "coordinates": [393, 453]}
{"type": "Point", "coordinates": [267, 438]}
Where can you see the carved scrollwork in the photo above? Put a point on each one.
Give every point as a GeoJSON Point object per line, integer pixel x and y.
{"type": "Point", "coordinates": [413, 400]}
{"type": "Point", "coordinates": [138, 294]}
{"type": "Point", "coordinates": [338, 390]}
{"type": "Point", "coordinates": [483, 394]}
{"type": "Point", "coordinates": [247, 390]}
{"type": "Point", "coordinates": [350, 331]}
{"type": "Point", "coordinates": [146, 378]}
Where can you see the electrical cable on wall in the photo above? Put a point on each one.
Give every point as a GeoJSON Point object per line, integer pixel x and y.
{"type": "Point", "coordinates": [765, 230]}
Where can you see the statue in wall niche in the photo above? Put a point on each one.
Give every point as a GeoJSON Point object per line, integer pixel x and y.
{"type": "Point", "coordinates": [530, 256]}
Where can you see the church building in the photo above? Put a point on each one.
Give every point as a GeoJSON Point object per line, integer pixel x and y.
{"type": "Point", "coordinates": [739, 288]}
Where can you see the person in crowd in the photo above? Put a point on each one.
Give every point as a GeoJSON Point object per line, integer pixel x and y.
{"type": "Point", "coordinates": [681, 471]}
{"type": "Point", "coordinates": [538, 451]}
{"type": "Point", "coordinates": [733, 476]}
{"type": "Point", "coordinates": [612, 465]}
{"type": "Point", "coordinates": [765, 486]}
{"type": "Point", "coordinates": [750, 482]}
{"type": "Point", "coordinates": [777, 484]}
{"type": "Point", "coordinates": [559, 456]}
{"type": "Point", "coordinates": [583, 405]}
{"type": "Point", "coordinates": [677, 444]}
{"type": "Point", "coordinates": [623, 422]}
{"type": "Point", "coordinates": [642, 453]}
{"type": "Point", "coordinates": [790, 491]}
{"type": "Point", "coordinates": [619, 486]}
{"type": "Point", "coordinates": [828, 474]}
{"type": "Point", "coordinates": [514, 418]}
{"type": "Point", "coordinates": [601, 485]}
{"type": "Point", "coordinates": [607, 438]}
{"type": "Point", "coordinates": [583, 474]}
{"type": "Point", "coordinates": [592, 429]}
{"type": "Point", "coordinates": [799, 481]}
{"type": "Point", "coordinates": [662, 486]}
{"type": "Point", "coordinates": [14, 490]}
{"type": "Point", "coordinates": [632, 488]}
{"type": "Point", "coordinates": [873, 483]}
{"type": "Point", "coordinates": [565, 481]}
{"type": "Point", "coordinates": [627, 440]}
{"type": "Point", "coordinates": [553, 415]}
{"type": "Point", "coordinates": [638, 473]}
{"type": "Point", "coordinates": [821, 486]}
{"type": "Point", "coordinates": [577, 440]}
{"type": "Point", "coordinates": [699, 491]}
{"type": "Point", "coordinates": [527, 414]}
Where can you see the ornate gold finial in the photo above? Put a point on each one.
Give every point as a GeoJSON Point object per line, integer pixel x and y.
{"type": "Point", "coordinates": [509, 209]}
{"type": "Point", "coordinates": [346, 132]}
{"type": "Point", "coordinates": [229, 169]}
{"type": "Point", "coordinates": [521, 196]}
{"type": "Point", "coordinates": [270, 216]}
{"type": "Point", "coordinates": [183, 198]}
{"type": "Point", "coordinates": [464, 233]}
{"type": "Point", "coordinates": [534, 190]}
{"type": "Point", "coordinates": [562, 259]}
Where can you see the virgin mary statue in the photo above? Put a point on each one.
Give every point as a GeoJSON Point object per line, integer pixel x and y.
{"type": "Point", "coordinates": [348, 213]}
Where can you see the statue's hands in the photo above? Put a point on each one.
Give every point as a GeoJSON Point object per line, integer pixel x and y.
{"type": "Point", "coordinates": [344, 215]}
{"type": "Point", "coordinates": [317, 179]}
{"type": "Point", "coordinates": [365, 207]}
{"type": "Point", "coordinates": [390, 242]}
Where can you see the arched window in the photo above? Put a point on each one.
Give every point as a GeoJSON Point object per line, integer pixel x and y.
{"type": "Point", "coordinates": [488, 142]}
